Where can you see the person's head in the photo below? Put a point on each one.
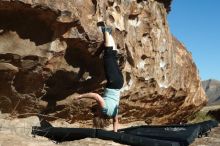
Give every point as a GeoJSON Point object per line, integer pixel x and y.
{"type": "Point", "coordinates": [99, 120]}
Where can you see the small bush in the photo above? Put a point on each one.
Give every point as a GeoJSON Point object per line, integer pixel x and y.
{"type": "Point", "coordinates": [199, 117]}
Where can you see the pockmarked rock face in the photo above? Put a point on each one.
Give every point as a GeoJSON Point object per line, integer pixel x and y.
{"type": "Point", "coordinates": [51, 51]}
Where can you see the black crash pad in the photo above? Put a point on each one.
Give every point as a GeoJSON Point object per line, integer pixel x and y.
{"type": "Point", "coordinates": [178, 133]}
{"type": "Point", "coordinates": [169, 135]}
{"type": "Point", "coordinates": [184, 134]}
{"type": "Point", "coordinates": [69, 134]}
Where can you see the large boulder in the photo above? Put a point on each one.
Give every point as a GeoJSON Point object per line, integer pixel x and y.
{"type": "Point", "coordinates": [51, 51]}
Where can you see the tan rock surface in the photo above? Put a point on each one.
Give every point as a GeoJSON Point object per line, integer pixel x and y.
{"type": "Point", "coordinates": [55, 44]}
{"type": "Point", "coordinates": [15, 132]}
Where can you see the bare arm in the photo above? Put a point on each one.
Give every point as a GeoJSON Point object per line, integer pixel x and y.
{"type": "Point", "coordinates": [115, 123]}
{"type": "Point", "coordinates": [95, 96]}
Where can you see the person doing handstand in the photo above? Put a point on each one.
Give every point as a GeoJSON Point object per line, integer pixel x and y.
{"type": "Point", "coordinates": [108, 103]}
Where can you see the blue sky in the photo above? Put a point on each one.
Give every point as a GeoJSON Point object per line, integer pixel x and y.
{"type": "Point", "coordinates": [196, 23]}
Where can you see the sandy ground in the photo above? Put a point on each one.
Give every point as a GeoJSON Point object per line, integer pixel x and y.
{"type": "Point", "coordinates": [14, 132]}
{"type": "Point", "coordinates": [213, 139]}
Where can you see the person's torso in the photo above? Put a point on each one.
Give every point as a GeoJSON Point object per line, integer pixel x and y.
{"type": "Point", "coordinates": [111, 98]}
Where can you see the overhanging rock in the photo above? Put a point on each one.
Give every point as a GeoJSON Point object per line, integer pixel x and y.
{"type": "Point", "coordinates": [49, 53]}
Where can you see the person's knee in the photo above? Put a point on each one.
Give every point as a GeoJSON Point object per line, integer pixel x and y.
{"type": "Point", "coordinates": [120, 83]}
{"type": "Point", "coordinates": [117, 83]}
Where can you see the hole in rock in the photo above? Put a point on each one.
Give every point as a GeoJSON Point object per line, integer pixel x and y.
{"type": "Point", "coordinates": [133, 16]}
{"type": "Point", "coordinates": [143, 57]}
{"type": "Point", "coordinates": [167, 4]}
{"type": "Point", "coordinates": [94, 2]}
{"type": "Point", "coordinates": [31, 57]}
{"type": "Point", "coordinates": [129, 56]}
{"type": "Point", "coordinates": [10, 58]}
{"type": "Point", "coordinates": [110, 3]}
{"type": "Point", "coordinates": [145, 34]}
{"type": "Point", "coordinates": [111, 18]}
{"type": "Point", "coordinates": [139, 1]}
{"type": "Point", "coordinates": [128, 77]}
{"type": "Point", "coordinates": [117, 8]}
